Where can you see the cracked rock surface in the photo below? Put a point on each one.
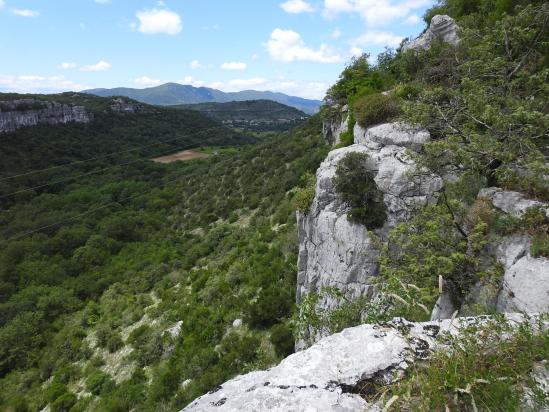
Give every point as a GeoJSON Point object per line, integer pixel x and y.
{"type": "Point", "coordinates": [524, 286]}
{"type": "Point", "coordinates": [30, 112]}
{"type": "Point", "coordinates": [329, 375]}
{"type": "Point", "coordinates": [442, 27]}
{"type": "Point", "coordinates": [334, 252]}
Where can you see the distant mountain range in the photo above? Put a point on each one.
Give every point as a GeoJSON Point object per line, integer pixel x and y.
{"type": "Point", "coordinates": [175, 94]}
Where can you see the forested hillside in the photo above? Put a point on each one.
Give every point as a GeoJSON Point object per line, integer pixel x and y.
{"type": "Point", "coordinates": [253, 115]}
{"type": "Point", "coordinates": [121, 132]}
{"type": "Point", "coordinates": [127, 253]}
{"type": "Point", "coordinates": [129, 285]}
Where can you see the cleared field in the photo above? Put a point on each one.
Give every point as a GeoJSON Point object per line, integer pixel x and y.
{"type": "Point", "coordinates": [184, 155]}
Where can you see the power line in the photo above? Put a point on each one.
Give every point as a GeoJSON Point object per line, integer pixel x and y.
{"type": "Point", "coordinates": [89, 211]}
{"type": "Point", "coordinates": [87, 174]}
{"type": "Point", "coordinates": [105, 156]}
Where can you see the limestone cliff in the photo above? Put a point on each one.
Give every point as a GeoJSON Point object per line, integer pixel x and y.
{"type": "Point", "coordinates": [15, 114]}
{"type": "Point", "coordinates": [333, 127]}
{"type": "Point", "coordinates": [441, 27]}
{"type": "Point", "coordinates": [335, 252]}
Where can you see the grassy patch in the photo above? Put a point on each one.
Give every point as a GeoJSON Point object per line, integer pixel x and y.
{"type": "Point", "coordinates": [375, 108]}
{"type": "Point", "coordinates": [481, 371]}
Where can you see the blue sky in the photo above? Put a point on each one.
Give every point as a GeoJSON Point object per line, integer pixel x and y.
{"type": "Point", "coordinates": [297, 47]}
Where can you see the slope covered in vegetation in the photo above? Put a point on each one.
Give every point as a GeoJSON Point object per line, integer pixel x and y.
{"type": "Point", "coordinates": [126, 254]}
{"type": "Point", "coordinates": [255, 115]}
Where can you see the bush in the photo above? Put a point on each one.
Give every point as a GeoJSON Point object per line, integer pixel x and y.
{"type": "Point", "coordinates": [272, 305]}
{"type": "Point", "coordinates": [282, 338]}
{"type": "Point", "coordinates": [64, 403]}
{"type": "Point", "coordinates": [99, 382]}
{"type": "Point", "coordinates": [375, 108]}
{"type": "Point", "coordinates": [540, 245]}
{"type": "Point", "coordinates": [304, 196]}
{"type": "Point", "coordinates": [114, 343]}
{"type": "Point", "coordinates": [358, 189]}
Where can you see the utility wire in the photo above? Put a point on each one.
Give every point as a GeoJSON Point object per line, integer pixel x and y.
{"type": "Point", "coordinates": [89, 173]}
{"type": "Point", "coordinates": [105, 156]}
{"type": "Point", "coordinates": [89, 211]}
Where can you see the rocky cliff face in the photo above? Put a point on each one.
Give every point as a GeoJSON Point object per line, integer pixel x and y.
{"type": "Point", "coordinates": [442, 27]}
{"type": "Point", "coordinates": [337, 253]}
{"type": "Point", "coordinates": [329, 375]}
{"type": "Point", "coordinates": [333, 128]}
{"type": "Point", "coordinates": [524, 286]}
{"type": "Point", "coordinates": [30, 112]}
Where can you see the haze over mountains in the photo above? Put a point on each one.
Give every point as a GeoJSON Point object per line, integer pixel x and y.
{"type": "Point", "coordinates": [174, 94]}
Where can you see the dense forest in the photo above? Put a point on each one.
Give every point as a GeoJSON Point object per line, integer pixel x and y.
{"type": "Point", "coordinates": [129, 285]}
{"type": "Point", "coordinates": [251, 115]}
{"type": "Point", "coordinates": [96, 268]}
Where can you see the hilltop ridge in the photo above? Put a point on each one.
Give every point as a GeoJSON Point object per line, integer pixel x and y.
{"type": "Point", "coordinates": [174, 93]}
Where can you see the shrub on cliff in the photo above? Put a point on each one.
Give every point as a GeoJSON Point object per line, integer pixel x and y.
{"type": "Point", "coordinates": [305, 193]}
{"type": "Point", "coordinates": [375, 108]}
{"type": "Point", "coordinates": [356, 185]}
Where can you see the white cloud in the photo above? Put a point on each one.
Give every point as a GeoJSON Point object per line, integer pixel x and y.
{"type": "Point", "coordinates": [25, 12]}
{"type": "Point", "coordinates": [2, 3]}
{"type": "Point", "coordinates": [377, 38]}
{"type": "Point", "coordinates": [247, 83]}
{"type": "Point", "coordinates": [356, 52]}
{"type": "Point", "coordinates": [412, 19]}
{"type": "Point", "coordinates": [147, 81]}
{"type": "Point", "coordinates": [297, 6]}
{"type": "Point", "coordinates": [191, 81]}
{"type": "Point", "coordinates": [234, 66]}
{"type": "Point", "coordinates": [374, 12]}
{"type": "Point", "coordinates": [102, 1]}
{"type": "Point", "coordinates": [159, 21]}
{"type": "Point", "coordinates": [38, 84]}
{"type": "Point", "coordinates": [214, 27]}
{"type": "Point", "coordinates": [336, 34]}
{"type": "Point", "coordinates": [100, 66]}
{"type": "Point", "coordinates": [287, 46]}
{"type": "Point", "coordinates": [67, 66]}
{"type": "Point", "coordinates": [195, 64]}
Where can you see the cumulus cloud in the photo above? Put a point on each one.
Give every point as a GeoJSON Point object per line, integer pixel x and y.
{"type": "Point", "coordinates": [412, 19]}
{"type": "Point", "coordinates": [246, 83]}
{"type": "Point", "coordinates": [377, 38]}
{"type": "Point", "coordinates": [157, 21]}
{"type": "Point", "coordinates": [297, 6]}
{"type": "Point", "coordinates": [146, 81]}
{"type": "Point", "coordinates": [287, 46]}
{"type": "Point", "coordinates": [67, 65]}
{"type": "Point", "coordinates": [100, 66]}
{"type": "Point", "coordinates": [38, 84]}
{"type": "Point", "coordinates": [195, 64]}
{"type": "Point", "coordinates": [25, 12]}
{"type": "Point", "coordinates": [374, 12]}
{"type": "Point", "coordinates": [234, 66]}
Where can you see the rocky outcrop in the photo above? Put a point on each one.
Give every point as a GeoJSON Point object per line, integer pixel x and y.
{"type": "Point", "coordinates": [15, 114]}
{"type": "Point", "coordinates": [524, 286]}
{"type": "Point", "coordinates": [122, 105]}
{"type": "Point", "coordinates": [334, 127]}
{"type": "Point", "coordinates": [330, 375]}
{"type": "Point", "coordinates": [442, 27]}
{"type": "Point", "coordinates": [335, 252]}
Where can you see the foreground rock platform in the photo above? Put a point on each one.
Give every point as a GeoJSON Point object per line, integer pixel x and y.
{"type": "Point", "coordinates": [329, 375]}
